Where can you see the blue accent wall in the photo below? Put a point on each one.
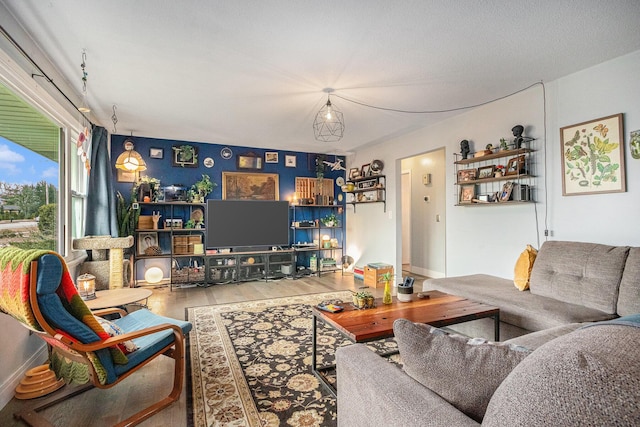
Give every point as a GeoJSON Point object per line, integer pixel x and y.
{"type": "Point", "coordinates": [163, 170]}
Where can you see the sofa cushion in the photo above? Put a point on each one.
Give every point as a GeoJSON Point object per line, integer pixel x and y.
{"type": "Point", "coordinates": [588, 377]}
{"type": "Point", "coordinates": [522, 309]}
{"type": "Point", "coordinates": [629, 294]}
{"type": "Point", "coordinates": [522, 270]}
{"type": "Point", "coordinates": [586, 274]}
{"type": "Point", "coordinates": [465, 372]}
{"type": "Point", "coordinates": [537, 339]}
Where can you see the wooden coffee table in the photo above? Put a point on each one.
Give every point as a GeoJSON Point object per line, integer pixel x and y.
{"type": "Point", "coordinates": [376, 323]}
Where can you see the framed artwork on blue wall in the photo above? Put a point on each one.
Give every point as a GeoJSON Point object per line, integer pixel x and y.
{"type": "Point", "coordinates": [249, 161]}
{"type": "Point", "coordinates": [185, 156]}
{"type": "Point", "coordinates": [271, 157]}
{"type": "Point", "coordinates": [250, 186]}
{"type": "Point", "coordinates": [156, 153]}
{"type": "Point", "coordinates": [290, 161]}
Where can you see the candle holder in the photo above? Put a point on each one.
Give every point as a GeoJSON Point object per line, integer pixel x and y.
{"type": "Point", "coordinates": [87, 286]}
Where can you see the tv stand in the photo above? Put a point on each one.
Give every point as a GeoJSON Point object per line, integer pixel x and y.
{"type": "Point", "coordinates": [235, 267]}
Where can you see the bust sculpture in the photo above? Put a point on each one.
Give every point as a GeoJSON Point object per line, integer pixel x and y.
{"type": "Point", "coordinates": [464, 148]}
{"type": "Point", "coordinates": [517, 134]}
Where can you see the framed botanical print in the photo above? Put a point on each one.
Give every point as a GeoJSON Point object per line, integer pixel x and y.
{"type": "Point", "coordinates": [593, 157]}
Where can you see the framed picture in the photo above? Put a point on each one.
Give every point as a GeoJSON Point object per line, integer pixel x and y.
{"type": "Point", "coordinates": [505, 194]}
{"type": "Point", "coordinates": [354, 173]}
{"type": "Point", "coordinates": [250, 186]}
{"type": "Point", "coordinates": [290, 161]}
{"type": "Point", "coordinates": [366, 170]}
{"type": "Point", "coordinates": [467, 175]}
{"type": "Point", "coordinates": [593, 157]}
{"type": "Point", "coordinates": [146, 240]}
{"type": "Point", "coordinates": [249, 161]}
{"type": "Point", "coordinates": [126, 176]}
{"type": "Point", "coordinates": [515, 166]}
{"type": "Point", "coordinates": [156, 153]}
{"type": "Point", "coordinates": [467, 193]}
{"type": "Point", "coordinates": [271, 157]}
{"type": "Point", "coordinates": [185, 156]}
{"type": "Point", "coordinates": [485, 172]}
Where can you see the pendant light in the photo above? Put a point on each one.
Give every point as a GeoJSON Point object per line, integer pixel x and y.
{"type": "Point", "coordinates": [130, 160]}
{"type": "Point", "coordinates": [328, 125]}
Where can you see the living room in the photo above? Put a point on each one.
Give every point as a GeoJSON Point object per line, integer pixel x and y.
{"type": "Point", "coordinates": [478, 240]}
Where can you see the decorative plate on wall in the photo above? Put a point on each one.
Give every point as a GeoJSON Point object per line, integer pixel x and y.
{"type": "Point", "coordinates": [226, 153]}
{"type": "Point", "coordinates": [208, 162]}
{"type": "Point", "coordinates": [376, 166]}
{"type": "Point", "coordinates": [340, 181]}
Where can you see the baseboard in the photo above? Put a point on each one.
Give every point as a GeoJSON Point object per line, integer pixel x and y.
{"type": "Point", "coordinates": [427, 273]}
{"type": "Point", "coordinates": [7, 389]}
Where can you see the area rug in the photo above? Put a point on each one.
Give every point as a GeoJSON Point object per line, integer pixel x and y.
{"type": "Point", "coordinates": [251, 363]}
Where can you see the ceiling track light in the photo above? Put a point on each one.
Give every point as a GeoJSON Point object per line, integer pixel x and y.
{"type": "Point", "coordinates": [328, 125]}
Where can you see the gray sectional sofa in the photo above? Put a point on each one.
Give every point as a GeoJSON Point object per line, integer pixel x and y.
{"type": "Point", "coordinates": [582, 365]}
{"type": "Point", "coordinates": [571, 283]}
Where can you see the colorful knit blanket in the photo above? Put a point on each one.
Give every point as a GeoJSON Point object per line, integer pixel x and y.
{"type": "Point", "coordinates": [15, 279]}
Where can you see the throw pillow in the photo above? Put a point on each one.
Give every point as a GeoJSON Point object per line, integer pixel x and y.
{"type": "Point", "coordinates": [114, 330]}
{"type": "Point", "coordinates": [524, 265]}
{"type": "Point", "coordinates": [463, 371]}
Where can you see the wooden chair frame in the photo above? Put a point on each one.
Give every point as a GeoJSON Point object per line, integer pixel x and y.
{"type": "Point", "coordinates": [175, 350]}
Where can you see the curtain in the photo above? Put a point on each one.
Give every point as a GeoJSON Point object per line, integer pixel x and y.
{"type": "Point", "coordinates": [101, 200]}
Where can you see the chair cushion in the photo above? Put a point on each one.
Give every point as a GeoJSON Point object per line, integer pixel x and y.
{"type": "Point", "coordinates": [465, 372]}
{"type": "Point", "coordinates": [148, 344]}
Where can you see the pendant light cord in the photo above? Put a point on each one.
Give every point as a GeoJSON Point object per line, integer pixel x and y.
{"type": "Point", "coordinates": [436, 111]}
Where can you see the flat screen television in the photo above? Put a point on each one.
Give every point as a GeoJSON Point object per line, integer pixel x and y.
{"type": "Point", "coordinates": [247, 224]}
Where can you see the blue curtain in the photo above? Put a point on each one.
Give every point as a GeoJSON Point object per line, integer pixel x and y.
{"type": "Point", "coordinates": [101, 200]}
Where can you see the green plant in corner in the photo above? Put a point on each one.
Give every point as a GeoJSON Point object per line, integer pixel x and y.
{"type": "Point", "coordinates": [504, 146]}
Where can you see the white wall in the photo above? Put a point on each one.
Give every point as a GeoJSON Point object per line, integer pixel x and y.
{"type": "Point", "coordinates": [489, 239]}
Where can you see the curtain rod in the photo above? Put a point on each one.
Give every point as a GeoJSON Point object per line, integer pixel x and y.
{"type": "Point", "coordinates": [26, 55]}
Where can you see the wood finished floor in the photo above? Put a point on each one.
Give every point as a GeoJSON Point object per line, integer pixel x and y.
{"type": "Point", "coordinates": [97, 408]}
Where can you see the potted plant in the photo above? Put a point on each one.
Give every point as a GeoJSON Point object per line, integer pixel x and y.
{"type": "Point", "coordinates": [504, 146]}
{"type": "Point", "coordinates": [330, 220]}
{"type": "Point", "coordinates": [202, 188]}
{"type": "Point", "coordinates": [363, 299]}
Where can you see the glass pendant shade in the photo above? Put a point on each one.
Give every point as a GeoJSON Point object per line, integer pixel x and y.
{"type": "Point", "coordinates": [328, 125]}
{"type": "Point", "coordinates": [130, 160]}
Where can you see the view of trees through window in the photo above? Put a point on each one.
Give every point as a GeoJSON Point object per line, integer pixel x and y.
{"type": "Point", "coordinates": [28, 197]}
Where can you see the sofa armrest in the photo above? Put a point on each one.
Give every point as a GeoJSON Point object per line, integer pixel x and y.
{"type": "Point", "coordinates": [371, 391]}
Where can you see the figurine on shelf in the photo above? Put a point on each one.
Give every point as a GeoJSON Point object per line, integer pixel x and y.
{"type": "Point", "coordinates": [155, 217]}
{"type": "Point", "coordinates": [499, 171]}
{"type": "Point", "coordinates": [518, 139]}
{"type": "Point", "coordinates": [464, 148]}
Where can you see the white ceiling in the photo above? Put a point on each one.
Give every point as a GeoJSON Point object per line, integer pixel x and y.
{"type": "Point", "coordinates": [253, 72]}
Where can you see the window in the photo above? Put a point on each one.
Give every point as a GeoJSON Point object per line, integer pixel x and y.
{"type": "Point", "coordinates": [36, 176]}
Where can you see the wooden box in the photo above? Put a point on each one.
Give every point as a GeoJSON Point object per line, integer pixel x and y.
{"type": "Point", "coordinates": [145, 222]}
{"type": "Point", "coordinates": [183, 245]}
{"type": "Point", "coordinates": [373, 274]}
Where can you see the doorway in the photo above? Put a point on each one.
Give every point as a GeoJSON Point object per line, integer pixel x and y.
{"type": "Point", "coordinates": [423, 203]}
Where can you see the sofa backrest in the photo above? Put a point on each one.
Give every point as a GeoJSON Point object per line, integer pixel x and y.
{"type": "Point", "coordinates": [629, 294]}
{"type": "Point", "coordinates": [586, 274]}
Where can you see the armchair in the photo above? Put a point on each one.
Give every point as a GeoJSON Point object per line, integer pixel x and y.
{"type": "Point", "coordinates": [37, 290]}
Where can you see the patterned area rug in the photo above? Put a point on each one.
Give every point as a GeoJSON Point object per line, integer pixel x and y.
{"type": "Point", "coordinates": [251, 363]}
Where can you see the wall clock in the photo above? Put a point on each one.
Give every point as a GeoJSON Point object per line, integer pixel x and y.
{"type": "Point", "coordinates": [226, 153]}
{"type": "Point", "coordinates": [376, 166]}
